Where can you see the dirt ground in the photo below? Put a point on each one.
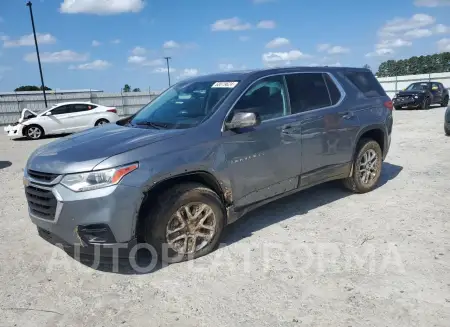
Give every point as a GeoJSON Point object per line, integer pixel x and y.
{"type": "Point", "coordinates": [323, 257]}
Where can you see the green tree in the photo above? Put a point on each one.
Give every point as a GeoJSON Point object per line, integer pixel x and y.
{"type": "Point", "coordinates": [127, 88]}
{"type": "Point", "coordinates": [436, 63]}
{"type": "Point", "coordinates": [31, 88]}
{"type": "Point", "coordinates": [136, 89]}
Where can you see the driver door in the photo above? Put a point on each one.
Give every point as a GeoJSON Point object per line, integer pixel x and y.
{"type": "Point", "coordinates": [436, 91]}
{"type": "Point", "coordinates": [58, 121]}
{"type": "Point", "coordinates": [265, 160]}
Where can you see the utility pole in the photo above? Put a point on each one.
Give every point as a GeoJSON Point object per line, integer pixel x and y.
{"type": "Point", "coordinates": [29, 5]}
{"type": "Point", "coordinates": [168, 68]}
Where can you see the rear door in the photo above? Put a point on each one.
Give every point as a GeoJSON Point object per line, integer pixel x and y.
{"type": "Point", "coordinates": [82, 116]}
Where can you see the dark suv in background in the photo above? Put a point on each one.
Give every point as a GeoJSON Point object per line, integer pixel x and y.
{"type": "Point", "coordinates": [421, 95]}
{"type": "Point", "coordinates": [207, 151]}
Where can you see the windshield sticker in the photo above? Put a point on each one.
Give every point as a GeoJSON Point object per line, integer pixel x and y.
{"type": "Point", "coordinates": [229, 85]}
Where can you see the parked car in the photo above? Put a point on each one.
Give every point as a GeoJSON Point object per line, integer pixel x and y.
{"type": "Point", "coordinates": [204, 153]}
{"type": "Point", "coordinates": [63, 118]}
{"type": "Point", "coordinates": [421, 95]}
{"type": "Point", "coordinates": [447, 122]}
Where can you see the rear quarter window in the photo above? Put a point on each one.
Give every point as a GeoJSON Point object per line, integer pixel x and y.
{"type": "Point", "coordinates": [366, 83]}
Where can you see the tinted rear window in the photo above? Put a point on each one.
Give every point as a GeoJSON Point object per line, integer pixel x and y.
{"type": "Point", "coordinates": [366, 83]}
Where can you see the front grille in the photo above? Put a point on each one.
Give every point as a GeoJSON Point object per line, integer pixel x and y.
{"type": "Point", "coordinates": [42, 202]}
{"type": "Point", "coordinates": [42, 177]}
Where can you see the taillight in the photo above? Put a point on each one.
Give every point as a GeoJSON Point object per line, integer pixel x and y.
{"type": "Point", "coordinates": [114, 110]}
{"type": "Point", "coordinates": [389, 105]}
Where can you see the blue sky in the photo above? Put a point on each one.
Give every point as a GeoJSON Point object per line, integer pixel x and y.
{"type": "Point", "coordinates": [103, 44]}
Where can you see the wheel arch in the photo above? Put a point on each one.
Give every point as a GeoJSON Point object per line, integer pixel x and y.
{"type": "Point", "coordinates": [201, 177]}
{"type": "Point", "coordinates": [25, 128]}
{"type": "Point", "coordinates": [376, 133]}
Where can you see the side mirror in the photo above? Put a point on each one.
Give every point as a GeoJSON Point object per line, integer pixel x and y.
{"type": "Point", "coordinates": [243, 119]}
{"type": "Point", "coordinates": [48, 113]}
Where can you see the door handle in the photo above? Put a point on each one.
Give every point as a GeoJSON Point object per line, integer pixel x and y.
{"type": "Point", "coordinates": [348, 115]}
{"type": "Point", "coordinates": [286, 129]}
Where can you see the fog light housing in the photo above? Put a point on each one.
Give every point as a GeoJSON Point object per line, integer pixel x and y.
{"type": "Point", "coordinates": [95, 234]}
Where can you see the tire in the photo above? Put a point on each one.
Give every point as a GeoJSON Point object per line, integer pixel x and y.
{"type": "Point", "coordinates": [397, 107]}
{"type": "Point", "coordinates": [162, 217]}
{"type": "Point", "coordinates": [356, 183]}
{"type": "Point", "coordinates": [444, 103]}
{"type": "Point", "coordinates": [34, 132]}
{"type": "Point", "coordinates": [101, 122]}
{"type": "Point", "coordinates": [447, 130]}
{"type": "Point", "coordinates": [425, 104]}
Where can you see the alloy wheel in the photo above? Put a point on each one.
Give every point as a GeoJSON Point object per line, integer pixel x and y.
{"type": "Point", "coordinates": [191, 228]}
{"type": "Point", "coordinates": [34, 132]}
{"type": "Point", "coordinates": [368, 166]}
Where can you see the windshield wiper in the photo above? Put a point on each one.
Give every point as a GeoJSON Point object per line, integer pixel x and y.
{"type": "Point", "coordinates": [153, 124]}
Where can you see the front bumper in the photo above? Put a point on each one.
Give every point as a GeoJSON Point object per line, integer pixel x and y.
{"type": "Point", "coordinates": [104, 217]}
{"type": "Point", "coordinates": [407, 102]}
{"type": "Point", "coordinates": [14, 131]}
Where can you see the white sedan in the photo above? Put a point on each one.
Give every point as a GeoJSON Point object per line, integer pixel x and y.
{"type": "Point", "coordinates": [63, 118]}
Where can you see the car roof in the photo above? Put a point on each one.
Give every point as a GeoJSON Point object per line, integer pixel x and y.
{"type": "Point", "coordinates": [75, 102]}
{"type": "Point", "coordinates": [243, 74]}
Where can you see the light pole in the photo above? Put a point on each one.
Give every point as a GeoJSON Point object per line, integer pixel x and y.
{"type": "Point", "coordinates": [168, 68]}
{"type": "Point", "coordinates": [29, 5]}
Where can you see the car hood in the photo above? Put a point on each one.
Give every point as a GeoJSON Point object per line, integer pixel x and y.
{"type": "Point", "coordinates": [83, 151]}
{"type": "Point", "coordinates": [401, 93]}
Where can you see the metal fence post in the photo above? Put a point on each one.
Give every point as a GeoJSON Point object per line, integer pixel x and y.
{"type": "Point", "coordinates": [396, 83]}
{"type": "Point", "coordinates": [18, 103]}
{"type": "Point", "coordinates": [123, 104]}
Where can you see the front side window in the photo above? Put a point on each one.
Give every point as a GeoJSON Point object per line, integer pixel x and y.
{"type": "Point", "coordinates": [62, 110]}
{"type": "Point", "coordinates": [418, 87]}
{"type": "Point", "coordinates": [265, 97]}
{"type": "Point", "coordinates": [184, 105]}
{"type": "Point", "coordinates": [435, 86]}
{"type": "Point", "coordinates": [307, 91]}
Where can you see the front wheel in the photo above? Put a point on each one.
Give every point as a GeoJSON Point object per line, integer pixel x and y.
{"type": "Point", "coordinates": [444, 103]}
{"type": "Point", "coordinates": [185, 223]}
{"type": "Point", "coordinates": [34, 132]}
{"type": "Point", "coordinates": [366, 167]}
{"type": "Point", "coordinates": [425, 104]}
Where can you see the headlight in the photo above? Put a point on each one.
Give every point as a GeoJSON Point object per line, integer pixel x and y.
{"type": "Point", "coordinates": [416, 97]}
{"type": "Point", "coordinates": [92, 180]}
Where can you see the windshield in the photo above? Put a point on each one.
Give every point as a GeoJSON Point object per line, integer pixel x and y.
{"type": "Point", "coordinates": [418, 87]}
{"type": "Point", "coordinates": [184, 105]}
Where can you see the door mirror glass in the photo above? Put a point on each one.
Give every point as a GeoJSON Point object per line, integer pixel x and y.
{"type": "Point", "coordinates": [243, 119]}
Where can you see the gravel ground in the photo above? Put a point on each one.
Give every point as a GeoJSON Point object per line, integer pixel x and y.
{"type": "Point", "coordinates": [323, 257]}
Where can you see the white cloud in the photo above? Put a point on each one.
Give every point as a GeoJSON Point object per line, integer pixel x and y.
{"type": "Point", "coordinates": [95, 65]}
{"type": "Point", "coordinates": [273, 57]}
{"type": "Point", "coordinates": [399, 25]}
{"type": "Point", "coordinates": [58, 57]}
{"type": "Point", "coordinates": [95, 43]}
{"type": "Point", "coordinates": [337, 49]}
{"type": "Point", "coordinates": [136, 59]}
{"type": "Point", "coordinates": [444, 45]}
{"type": "Point", "coordinates": [116, 41]}
{"type": "Point", "coordinates": [226, 67]}
{"type": "Point", "coordinates": [164, 70]}
{"type": "Point", "coordinates": [143, 61]}
{"type": "Point", "coordinates": [394, 43]}
{"type": "Point", "coordinates": [432, 3]}
{"type": "Point", "coordinates": [266, 24]}
{"type": "Point", "coordinates": [244, 38]}
{"type": "Point", "coordinates": [230, 24]}
{"type": "Point", "coordinates": [188, 72]}
{"type": "Point", "coordinates": [380, 52]}
{"type": "Point", "coordinates": [278, 42]}
{"type": "Point", "coordinates": [170, 45]}
{"type": "Point", "coordinates": [101, 7]}
{"type": "Point", "coordinates": [138, 51]}
{"type": "Point", "coordinates": [441, 29]}
{"type": "Point", "coordinates": [332, 49]}
{"type": "Point", "coordinates": [28, 40]}
{"type": "Point", "coordinates": [418, 33]}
